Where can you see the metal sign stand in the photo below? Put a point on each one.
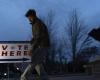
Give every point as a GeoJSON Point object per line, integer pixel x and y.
{"type": "Point", "coordinates": [8, 71]}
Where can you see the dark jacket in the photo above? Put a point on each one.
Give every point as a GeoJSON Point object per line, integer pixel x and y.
{"type": "Point", "coordinates": [40, 34]}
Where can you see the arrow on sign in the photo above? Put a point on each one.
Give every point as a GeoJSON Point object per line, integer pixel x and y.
{"type": "Point", "coordinates": [21, 59]}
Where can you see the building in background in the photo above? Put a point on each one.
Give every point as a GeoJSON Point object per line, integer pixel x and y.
{"type": "Point", "coordinates": [93, 68]}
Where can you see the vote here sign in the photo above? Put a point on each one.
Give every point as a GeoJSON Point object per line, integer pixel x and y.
{"type": "Point", "coordinates": [14, 51]}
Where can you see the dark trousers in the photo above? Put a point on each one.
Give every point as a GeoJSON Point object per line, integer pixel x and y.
{"type": "Point", "coordinates": [38, 58]}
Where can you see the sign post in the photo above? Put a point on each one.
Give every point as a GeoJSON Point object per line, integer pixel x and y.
{"type": "Point", "coordinates": [14, 52]}
{"type": "Point", "coordinates": [8, 70]}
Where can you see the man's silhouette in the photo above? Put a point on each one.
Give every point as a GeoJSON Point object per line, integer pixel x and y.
{"type": "Point", "coordinates": [40, 44]}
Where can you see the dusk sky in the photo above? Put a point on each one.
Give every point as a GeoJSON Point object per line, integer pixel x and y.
{"type": "Point", "coordinates": [14, 25]}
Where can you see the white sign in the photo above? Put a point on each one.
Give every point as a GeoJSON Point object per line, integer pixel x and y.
{"type": "Point", "coordinates": [14, 52]}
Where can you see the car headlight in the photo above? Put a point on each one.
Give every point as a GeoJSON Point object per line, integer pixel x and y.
{"type": "Point", "coordinates": [17, 68]}
{"type": "Point", "coordinates": [5, 74]}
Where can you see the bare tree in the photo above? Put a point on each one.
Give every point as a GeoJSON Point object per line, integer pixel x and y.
{"type": "Point", "coordinates": [77, 36]}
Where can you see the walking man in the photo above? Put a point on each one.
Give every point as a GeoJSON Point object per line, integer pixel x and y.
{"type": "Point", "coordinates": [40, 44]}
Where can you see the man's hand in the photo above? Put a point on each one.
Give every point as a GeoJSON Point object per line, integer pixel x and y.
{"type": "Point", "coordinates": [30, 53]}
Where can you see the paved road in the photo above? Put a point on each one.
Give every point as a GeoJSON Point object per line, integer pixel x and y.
{"type": "Point", "coordinates": [68, 78]}
{"type": "Point", "coordinates": [76, 78]}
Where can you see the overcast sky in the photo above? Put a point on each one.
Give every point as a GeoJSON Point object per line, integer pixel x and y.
{"type": "Point", "coordinates": [14, 25]}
